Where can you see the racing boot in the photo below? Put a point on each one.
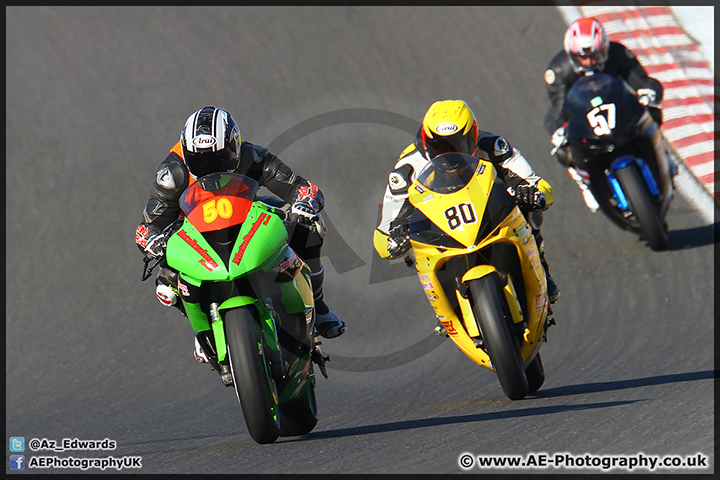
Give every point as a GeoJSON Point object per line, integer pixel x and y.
{"type": "Point", "coordinates": [327, 323]}
{"type": "Point", "coordinates": [553, 290]}
{"type": "Point", "coordinates": [581, 177]}
{"type": "Point", "coordinates": [673, 167]}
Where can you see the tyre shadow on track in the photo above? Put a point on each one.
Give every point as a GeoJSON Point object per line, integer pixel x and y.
{"type": "Point", "coordinates": [458, 419]}
{"type": "Point", "coordinates": [694, 237]}
{"type": "Point", "coordinates": [624, 384]}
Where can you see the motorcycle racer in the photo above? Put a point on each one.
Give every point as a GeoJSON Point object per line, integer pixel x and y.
{"type": "Point", "coordinates": [586, 51]}
{"type": "Point", "coordinates": [450, 126]}
{"type": "Point", "coordinates": [210, 142]}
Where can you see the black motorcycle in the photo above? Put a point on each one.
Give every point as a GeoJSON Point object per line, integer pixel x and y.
{"type": "Point", "coordinates": [614, 138]}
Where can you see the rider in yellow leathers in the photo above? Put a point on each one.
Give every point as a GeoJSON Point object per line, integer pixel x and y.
{"type": "Point", "coordinates": [450, 126]}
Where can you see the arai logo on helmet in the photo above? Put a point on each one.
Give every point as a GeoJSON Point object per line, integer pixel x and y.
{"type": "Point", "coordinates": [447, 128]}
{"type": "Point", "coordinates": [204, 141]}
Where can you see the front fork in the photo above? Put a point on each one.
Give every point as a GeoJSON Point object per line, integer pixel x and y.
{"type": "Point", "coordinates": [618, 193]}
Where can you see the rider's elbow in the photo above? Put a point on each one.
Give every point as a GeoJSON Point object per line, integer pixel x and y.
{"type": "Point", "coordinates": [547, 191]}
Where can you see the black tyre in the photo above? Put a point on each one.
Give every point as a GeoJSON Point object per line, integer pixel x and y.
{"type": "Point", "coordinates": [647, 216]}
{"type": "Point", "coordinates": [254, 386]}
{"type": "Point", "coordinates": [535, 373]}
{"type": "Point", "coordinates": [299, 416]}
{"type": "Point", "coordinates": [501, 346]}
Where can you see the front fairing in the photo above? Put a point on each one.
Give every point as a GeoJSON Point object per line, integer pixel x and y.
{"type": "Point", "coordinates": [225, 233]}
{"type": "Point", "coordinates": [459, 215]}
{"type": "Point", "coordinates": [604, 113]}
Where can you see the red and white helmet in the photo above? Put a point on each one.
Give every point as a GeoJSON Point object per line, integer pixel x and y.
{"type": "Point", "coordinates": [586, 45]}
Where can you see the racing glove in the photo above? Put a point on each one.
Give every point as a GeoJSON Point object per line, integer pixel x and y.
{"type": "Point", "coordinates": [559, 137]}
{"type": "Point", "coordinates": [530, 195]}
{"type": "Point", "coordinates": [646, 96]}
{"type": "Point", "coordinates": [398, 242]}
{"type": "Point", "coordinates": [155, 246]}
{"type": "Point", "coordinates": [304, 211]}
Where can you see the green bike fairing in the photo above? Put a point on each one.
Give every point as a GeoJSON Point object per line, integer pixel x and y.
{"type": "Point", "coordinates": [259, 244]}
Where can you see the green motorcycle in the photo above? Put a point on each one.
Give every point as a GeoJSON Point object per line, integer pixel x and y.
{"type": "Point", "coordinates": [249, 299]}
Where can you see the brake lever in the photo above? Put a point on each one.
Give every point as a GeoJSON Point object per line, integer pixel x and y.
{"type": "Point", "coordinates": [147, 271]}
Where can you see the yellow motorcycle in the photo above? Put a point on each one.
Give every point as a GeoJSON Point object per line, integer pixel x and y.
{"type": "Point", "coordinates": [479, 265]}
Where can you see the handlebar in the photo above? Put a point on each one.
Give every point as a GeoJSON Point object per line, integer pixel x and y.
{"type": "Point", "coordinates": [284, 215]}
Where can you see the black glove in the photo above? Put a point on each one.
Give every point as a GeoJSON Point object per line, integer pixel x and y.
{"type": "Point", "coordinates": [304, 212]}
{"type": "Point", "coordinates": [156, 246]}
{"type": "Point", "coordinates": [398, 242]}
{"type": "Point", "coordinates": [530, 196]}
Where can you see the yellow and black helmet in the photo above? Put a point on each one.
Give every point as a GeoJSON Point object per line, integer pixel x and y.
{"type": "Point", "coordinates": [449, 126]}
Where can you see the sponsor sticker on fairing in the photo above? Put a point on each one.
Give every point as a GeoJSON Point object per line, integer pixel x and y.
{"type": "Point", "coordinates": [290, 260]}
{"type": "Point", "coordinates": [183, 289]}
{"type": "Point", "coordinates": [449, 327]}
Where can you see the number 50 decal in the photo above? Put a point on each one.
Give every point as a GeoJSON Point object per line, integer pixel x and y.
{"type": "Point", "coordinates": [459, 214]}
{"type": "Point", "coordinates": [602, 125]}
{"type": "Point", "coordinates": [211, 210]}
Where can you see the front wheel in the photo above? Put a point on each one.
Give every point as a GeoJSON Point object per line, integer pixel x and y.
{"type": "Point", "coordinates": [254, 385]}
{"type": "Point", "coordinates": [299, 416]}
{"type": "Point", "coordinates": [501, 346]}
{"type": "Point", "coordinates": [638, 196]}
{"type": "Point", "coordinates": [535, 373]}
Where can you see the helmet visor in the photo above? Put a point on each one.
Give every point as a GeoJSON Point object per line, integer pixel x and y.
{"type": "Point", "coordinates": [589, 60]}
{"type": "Point", "coordinates": [455, 143]}
{"type": "Point", "coordinates": [204, 163]}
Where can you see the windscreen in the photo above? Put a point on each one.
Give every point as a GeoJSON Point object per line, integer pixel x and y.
{"type": "Point", "coordinates": [449, 172]}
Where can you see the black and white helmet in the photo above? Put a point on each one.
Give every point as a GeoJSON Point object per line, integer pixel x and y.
{"type": "Point", "coordinates": [210, 142]}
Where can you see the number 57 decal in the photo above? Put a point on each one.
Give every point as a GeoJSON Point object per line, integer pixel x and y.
{"type": "Point", "coordinates": [602, 123]}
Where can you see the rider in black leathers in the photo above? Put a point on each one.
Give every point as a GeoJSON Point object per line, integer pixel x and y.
{"type": "Point", "coordinates": [587, 50]}
{"type": "Point", "coordinates": [190, 159]}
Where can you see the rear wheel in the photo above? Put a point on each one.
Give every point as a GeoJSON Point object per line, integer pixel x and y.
{"type": "Point", "coordinates": [535, 373]}
{"type": "Point", "coordinates": [299, 416]}
{"type": "Point", "coordinates": [647, 216]}
{"type": "Point", "coordinates": [501, 346]}
{"type": "Point", "coordinates": [254, 386]}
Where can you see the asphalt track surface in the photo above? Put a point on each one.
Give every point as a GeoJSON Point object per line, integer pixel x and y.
{"type": "Point", "coordinates": [96, 96]}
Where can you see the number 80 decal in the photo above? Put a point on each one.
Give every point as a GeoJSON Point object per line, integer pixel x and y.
{"type": "Point", "coordinates": [463, 213]}
{"type": "Point", "coordinates": [211, 210]}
